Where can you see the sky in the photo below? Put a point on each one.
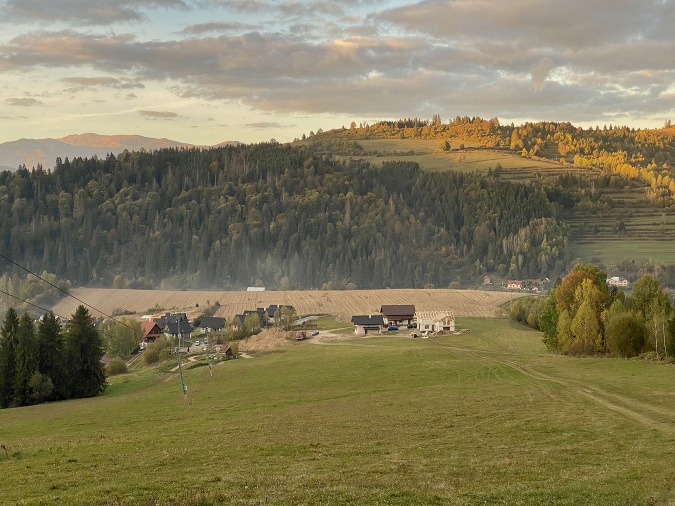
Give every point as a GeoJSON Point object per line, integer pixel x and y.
{"type": "Point", "coordinates": [208, 71]}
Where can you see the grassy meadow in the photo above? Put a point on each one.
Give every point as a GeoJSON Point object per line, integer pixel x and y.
{"type": "Point", "coordinates": [483, 417]}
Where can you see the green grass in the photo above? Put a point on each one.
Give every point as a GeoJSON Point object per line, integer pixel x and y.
{"type": "Point", "coordinates": [486, 417]}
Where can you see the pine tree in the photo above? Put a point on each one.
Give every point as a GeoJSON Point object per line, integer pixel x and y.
{"type": "Point", "coordinates": [51, 359]}
{"type": "Point", "coordinates": [7, 357]}
{"type": "Point", "coordinates": [84, 349]}
{"type": "Point", "coordinates": [26, 363]}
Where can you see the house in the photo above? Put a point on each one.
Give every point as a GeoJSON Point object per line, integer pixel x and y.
{"type": "Point", "coordinates": [367, 323]}
{"type": "Point", "coordinates": [398, 314]}
{"type": "Point", "coordinates": [167, 318]}
{"type": "Point", "coordinates": [487, 281]}
{"type": "Point", "coordinates": [237, 322]}
{"type": "Point", "coordinates": [151, 331]}
{"type": "Point", "coordinates": [617, 281]}
{"type": "Point", "coordinates": [435, 321]}
{"type": "Point", "coordinates": [181, 329]}
{"type": "Point", "coordinates": [226, 349]}
{"type": "Point", "coordinates": [514, 284]}
{"type": "Point", "coordinates": [212, 323]}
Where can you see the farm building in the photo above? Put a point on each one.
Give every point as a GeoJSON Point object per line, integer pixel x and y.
{"type": "Point", "coordinates": [398, 314]}
{"type": "Point", "coordinates": [368, 323]}
{"type": "Point", "coordinates": [435, 321]}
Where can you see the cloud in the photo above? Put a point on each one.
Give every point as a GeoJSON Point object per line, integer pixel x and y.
{"type": "Point", "coordinates": [158, 115]}
{"type": "Point", "coordinates": [218, 26]}
{"type": "Point", "coordinates": [23, 102]}
{"type": "Point", "coordinates": [102, 82]}
{"type": "Point", "coordinates": [265, 124]}
{"type": "Point", "coordinates": [84, 12]}
{"type": "Point", "coordinates": [540, 71]}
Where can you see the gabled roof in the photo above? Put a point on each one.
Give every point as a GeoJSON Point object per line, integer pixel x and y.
{"type": "Point", "coordinates": [212, 322]}
{"type": "Point", "coordinates": [179, 327]}
{"type": "Point", "coordinates": [150, 329]}
{"type": "Point", "coordinates": [375, 319]}
{"type": "Point", "coordinates": [398, 310]}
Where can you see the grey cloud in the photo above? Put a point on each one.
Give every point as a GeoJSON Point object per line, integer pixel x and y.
{"type": "Point", "coordinates": [266, 124]}
{"type": "Point", "coordinates": [106, 82]}
{"type": "Point", "coordinates": [540, 72]}
{"type": "Point", "coordinates": [23, 102]}
{"type": "Point", "coordinates": [85, 12]}
{"type": "Point", "coordinates": [158, 114]}
{"type": "Point", "coordinates": [216, 26]}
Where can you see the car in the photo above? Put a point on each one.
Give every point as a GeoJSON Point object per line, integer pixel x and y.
{"type": "Point", "coordinates": [315, 332]}
{"type": "Point", "coordinates": [197, 343]}
{"type": "Point", "coordinates": [392, 327]}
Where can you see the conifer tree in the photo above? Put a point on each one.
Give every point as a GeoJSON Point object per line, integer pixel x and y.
{"type": "Point", "coordinates": [7, 357]}
{"type": "Point", "coordinates": [51, 359]}
{"type": "Point", "coordinates": [26, 362]}
{"type": "Point", "coordinates": [84, 349]}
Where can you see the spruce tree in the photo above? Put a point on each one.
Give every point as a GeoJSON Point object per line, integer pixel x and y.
{"type": "Point", "coordinates": [7, 357]}
{"type": "Point", "coordinates": [26, 363]}
{"type": "Point", "coordinates": [84, 345]}
{"type": "Point", "coordinates": [51, 359]}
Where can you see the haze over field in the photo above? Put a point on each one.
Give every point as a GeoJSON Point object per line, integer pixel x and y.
{"type": "Point", "coordinates": [202, 72]}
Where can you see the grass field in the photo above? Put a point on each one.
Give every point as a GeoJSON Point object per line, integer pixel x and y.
{"type": "Point", "coordinates": [486, 417]}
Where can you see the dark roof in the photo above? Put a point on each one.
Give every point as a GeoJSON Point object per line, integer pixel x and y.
{"type": "Point", "coordinates": [238, 319]}
{"type": "Point", "coordinates": [398, 310]}
{"type": "Point", "coordinates": [212, 322]}
{"type": "Point", "coordinates": [180, 327]}
{"type": "Point", "coordinates": [375, 319]}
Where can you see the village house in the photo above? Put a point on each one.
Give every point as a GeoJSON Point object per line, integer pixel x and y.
{"type": "Point", "coordinates": [367, 323]}
{"type": "Point", "coordinates": [398, 314]}
{"type": "Point", "coordinates": [617, 281]}
{"type": "Point", "coordinates": [435, 321]}
{"type": "Point", "coordinates": [151, 331]}
{"type": "Point", "coordinates": [212, 324]}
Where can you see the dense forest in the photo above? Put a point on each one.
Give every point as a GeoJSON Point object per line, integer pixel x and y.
{"type": "Point", "coordinates": [271, 215]}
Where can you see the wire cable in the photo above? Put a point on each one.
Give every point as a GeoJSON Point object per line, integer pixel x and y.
{"type": "Point", "coordinates": [61, 290]}
{"type": "Point", "coordinates": [34, 305]}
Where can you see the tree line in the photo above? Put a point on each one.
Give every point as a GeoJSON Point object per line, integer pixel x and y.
{"type": "Point", "coordinates": [641, 154]}
{"type": "Point", "coordinates": [583, 316]}
{"type": "Point", "coordinates": [275, 216]}
{"type": "Point", "coordinates": [45, 362]}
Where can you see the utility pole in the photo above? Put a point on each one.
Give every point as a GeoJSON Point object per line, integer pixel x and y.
{"type": "Point", "coordinates": [180, 370]}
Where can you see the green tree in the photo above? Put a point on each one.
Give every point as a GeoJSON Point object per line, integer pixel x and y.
{"type": "Point", "coordinates": [564, 335]}
{"type": "Point", "coordinates": [8, 337]}
{"type": "Point", "coordinates": [84, 351]}
{"type": "Point", "coordinates": [548, 323]}
{"type": "Point", "coordinates": [121, 336]}
{"type": "Point", "coordinates": [51, 353]}
{"type": "Point", "coordinates": [26, 360]}
{"type": "Point", "coordinates": [625, 334]}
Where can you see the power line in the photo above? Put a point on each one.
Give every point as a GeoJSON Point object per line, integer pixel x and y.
{"type": "Point", "coordinates": [61, 290]}
{"type": "Point", "coordinates": [30, 303]}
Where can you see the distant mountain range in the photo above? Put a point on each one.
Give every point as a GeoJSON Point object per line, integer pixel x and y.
{"type": "Point", "coordinates": [32, 152]}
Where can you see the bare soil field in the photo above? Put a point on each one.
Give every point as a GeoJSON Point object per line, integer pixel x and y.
{"type": "Point", "coordinates": [341, 303]}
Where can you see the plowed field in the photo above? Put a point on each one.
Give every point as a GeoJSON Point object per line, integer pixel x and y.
{"type": "Point", "coordinates": [342, 304]}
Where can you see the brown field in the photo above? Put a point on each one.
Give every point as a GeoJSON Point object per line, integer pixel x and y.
{"type": "Point", "coordinates": [342, 304]}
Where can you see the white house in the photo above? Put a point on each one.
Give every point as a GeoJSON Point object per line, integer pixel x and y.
{"type": "Point", "coordinates": [617, 281]}
{"type": "Point", "coordinates": [435, 321]}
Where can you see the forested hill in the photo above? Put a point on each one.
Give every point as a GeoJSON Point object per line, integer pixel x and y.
{"type": "Point", "coordinates": [272, 215]}
{"type": "Point", "coordinates": [647, 155]}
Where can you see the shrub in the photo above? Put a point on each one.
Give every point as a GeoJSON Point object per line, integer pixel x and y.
{"type": "Point", "coordinates": [151, 355]}
{"type": "Point", "coordinates": [116, 366]}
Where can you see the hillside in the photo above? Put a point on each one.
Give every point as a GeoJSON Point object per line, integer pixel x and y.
{"type": "Point", "coordinates": [342, 303]}
{"type": "Point", "coordinates": [487, 417]}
